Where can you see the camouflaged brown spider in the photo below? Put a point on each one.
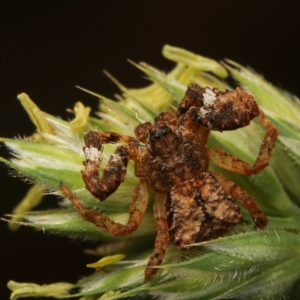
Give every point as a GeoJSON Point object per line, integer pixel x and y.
{"type": "Point", "coordinates": [192, 204]}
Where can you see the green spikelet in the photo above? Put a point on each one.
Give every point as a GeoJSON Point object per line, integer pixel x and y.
{"type": "Point", "coordinates": [247, 264]}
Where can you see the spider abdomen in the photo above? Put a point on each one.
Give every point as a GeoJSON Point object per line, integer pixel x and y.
{"type": "Point", "coordinates": [199, 210]}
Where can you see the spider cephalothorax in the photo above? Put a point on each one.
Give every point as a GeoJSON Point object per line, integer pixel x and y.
{"type": "Point", "coordinates": [192, 204]}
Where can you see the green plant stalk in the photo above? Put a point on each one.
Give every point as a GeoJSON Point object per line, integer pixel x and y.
{"type": "Point", "coordinates": [239, 266]}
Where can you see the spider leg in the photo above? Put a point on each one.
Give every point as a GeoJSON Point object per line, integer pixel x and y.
{"type": "Point", "coordinates": [115, 171]}
{"type": "Point", "coordinates": [218, 110]}
{"type": "Point", "coordinates": [235, 164]}
{"type": "Point", "coordinates": [138, 207]}
{"type": "Point", "coordinates": [162, 237]}
{"type": "Point", "coordinates": [95, 139]}
{"type": "Point", "coordinates": [166, 117]}
{"type": "Point", "coordinates": [240, 195]}
{"type": "Point", "coordinates": [188, 122]}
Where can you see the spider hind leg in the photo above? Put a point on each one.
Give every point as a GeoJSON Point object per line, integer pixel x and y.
{"type": "Point", "coordinates": [138, 208]}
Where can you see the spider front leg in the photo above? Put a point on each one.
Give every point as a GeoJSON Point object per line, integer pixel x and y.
{"type": "Point", "coordinates": [95, 139]}
{"type": "Point", "coordinates": [113, 176]}
{"type": "Point", "coordinates": [138, 207]}
{"type": "Point", "coordinates": [218, 110]}
{"type": "Point", "coordinates": [235, 164]}
{"type": "Point", "coordinates": [115, 171]}
{"type": "Point", "coordinates": [162, 237]}
{"type": "Point", "coordinates": [240, 195]}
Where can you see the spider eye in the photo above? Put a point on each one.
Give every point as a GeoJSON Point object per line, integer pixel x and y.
{"type": "Point", "coordinates": [158, 132]}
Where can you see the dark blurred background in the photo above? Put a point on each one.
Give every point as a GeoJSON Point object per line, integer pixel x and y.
{"type": "Point", "coordinates": [48, 47]}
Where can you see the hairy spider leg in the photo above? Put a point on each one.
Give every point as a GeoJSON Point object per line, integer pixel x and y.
{"type": "Point", "coordinates": [162, 237]}
{"type": "Point", "coordinates": [187, 122]}
{"type": "Point", "coordinates": [233, 163]}
{"type": "Point", "coordinates": [138, 206]}
{"type": "Point", "coordinates": [166, 117]}
{"type": "Point", "coordinates": [97, 138]}
{"type": "Point", "coordinates": [241, 196]}
{"type": "Point", "coordinates": [115, 171]}
{"type": "Point", "coordinates": [218, 110]}
{"type": "Point", "coordinates": [113, 175]}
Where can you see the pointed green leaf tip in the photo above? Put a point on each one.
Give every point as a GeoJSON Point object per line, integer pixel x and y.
{"type": "Point", "coordinates": [31, 200]}
{"type": "Point", "coordinates": [36, 116]}
{"type": "Point", "coordinates": [194, 61]}
{"type": "Point", "coordinates": [248, 264]}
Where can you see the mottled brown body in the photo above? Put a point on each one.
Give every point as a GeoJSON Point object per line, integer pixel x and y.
{"type": "Point", "coordinates": [193, 204]}
{"type": "Point", "coordinates": [200, 210]}
{"type": "Point", "coordinates": [172, 156]}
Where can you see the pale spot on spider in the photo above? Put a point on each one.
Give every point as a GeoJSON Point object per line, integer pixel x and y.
{"type": "Point", "coordinates": [92, 153]}
{"type": "Point", "coordinates": [209, 97]}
